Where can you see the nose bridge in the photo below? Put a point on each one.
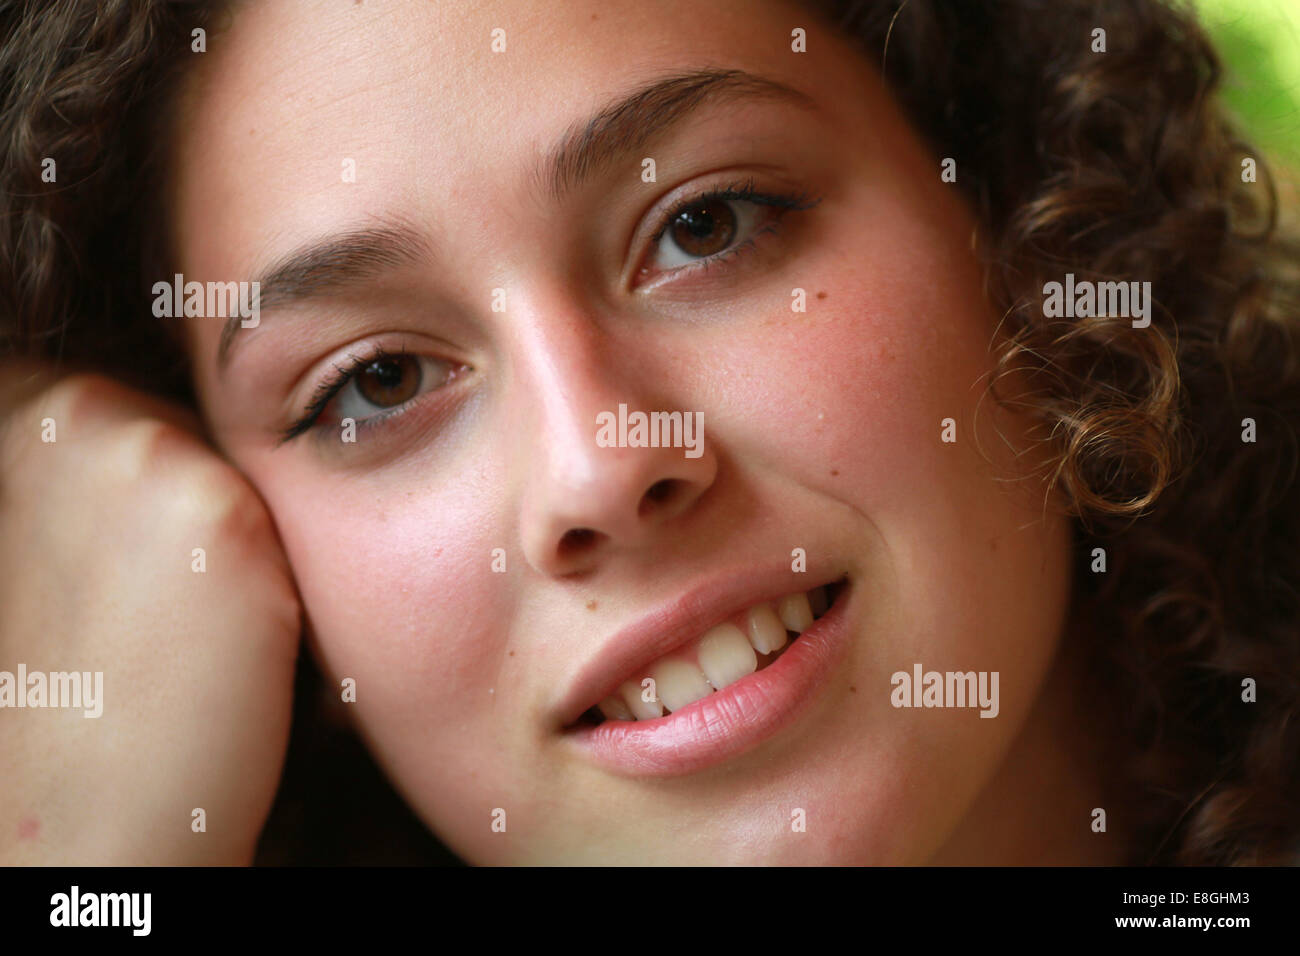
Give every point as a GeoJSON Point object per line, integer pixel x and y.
{"type": "Point", "coordinates": [571, 374]}
{"type": "Point", "coordinates": [591, 486]}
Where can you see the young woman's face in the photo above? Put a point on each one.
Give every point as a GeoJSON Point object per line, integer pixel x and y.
{"type": "Point", "coordinates": [475, 554]}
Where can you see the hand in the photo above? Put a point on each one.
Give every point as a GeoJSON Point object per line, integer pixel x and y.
{"type": "Point", "coordinates": [99, 573]}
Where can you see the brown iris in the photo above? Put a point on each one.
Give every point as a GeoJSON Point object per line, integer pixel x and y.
{"type": "Point", "coordinates": [704, 229]}
{"type": "Point", "coordinates": [389, 381]}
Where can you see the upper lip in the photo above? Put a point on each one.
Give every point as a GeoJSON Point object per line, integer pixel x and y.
{"type": "Point", "coordinates": [677, 621]}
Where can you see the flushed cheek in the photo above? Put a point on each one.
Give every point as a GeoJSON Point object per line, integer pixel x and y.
{"type": "Point", "coordinates": [894, 418]}
{"type": "Point", "coordinates": [858, 390]}
{"type": "Point", "coordinates": [375, 568]}
{"type": "Point", "coordinates": [851, 394]}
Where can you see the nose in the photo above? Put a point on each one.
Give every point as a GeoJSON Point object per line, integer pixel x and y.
{"type": "Point", "coordinates": [584, 498]}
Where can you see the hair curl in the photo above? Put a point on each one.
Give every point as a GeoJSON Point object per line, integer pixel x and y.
{"type": "Point", "coordinates": [1119, 166]}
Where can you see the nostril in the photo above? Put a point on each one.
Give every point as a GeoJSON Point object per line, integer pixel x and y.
{"type": "Point", "coordinates": [657, 494]}
{"type": "Point", "coordinates": [576, 540]}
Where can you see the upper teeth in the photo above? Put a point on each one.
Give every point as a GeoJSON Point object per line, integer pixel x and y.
{"type": "Point", "coordinates": [719, 657]}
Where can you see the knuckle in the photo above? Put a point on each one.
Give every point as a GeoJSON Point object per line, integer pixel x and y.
{"type": "Point", "coordinates": [85, 403]}
{"type": "Point", "coordinates": [143, 447]}
{"type": "Point", "coordinates": [66, 401]}
{"type": "Point", "coordinates": [234, 507]}
{"type": "Point", "coordinates": [184, 483]}
{"type": "Point", "coordinates": [83, 397]}
{"type": "Point", "coordinates": [220, 501]}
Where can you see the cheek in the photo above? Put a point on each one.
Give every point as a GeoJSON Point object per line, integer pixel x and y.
{"type": "Point", "coordinates": [855, 394]}
{"type": "Point", "coordinates": [851, 394]}
{"type": "Point", "coordinates": [981, 566]}
{"type": "Point", "coordinates": [397, 580]}
{"type": "Point", "coordinates": [396, 577]}
{"type": "Point", "coordinates": [848, 401]}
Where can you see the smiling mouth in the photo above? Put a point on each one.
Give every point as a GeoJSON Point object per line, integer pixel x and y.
{"type": "Point", "coordinates": [748, 642]}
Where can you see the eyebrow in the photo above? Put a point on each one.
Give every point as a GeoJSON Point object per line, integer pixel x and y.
{"type": "Point", "coordinates": [621, 128]}
{"type": "Point", "coordinates": [324, 266]}
{"type": "Point", "coordinates": [632, 121]}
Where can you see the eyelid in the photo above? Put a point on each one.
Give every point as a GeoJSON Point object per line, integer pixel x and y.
{"type": "Point", "coordinates": [328, 388]}
{"type": "Point", "coordinates": [344, 372]}
{"type": "Point", "coordinates": [784, 200]}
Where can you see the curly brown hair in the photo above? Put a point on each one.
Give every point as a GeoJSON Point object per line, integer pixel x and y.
{"type": "Point", "coordinates": [1115, 166]}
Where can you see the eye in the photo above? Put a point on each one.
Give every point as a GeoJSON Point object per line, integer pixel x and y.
{"type": "Point", "coordinates": [372, 387]}
{"type": "Point", "coordinates": [701, 229]}
{"type": "Point", "coordinates": [718, 224]}
{"type": "Point", "coordinates": [386, 382]}
{"type": "Point", "coordinates": [704, 229]}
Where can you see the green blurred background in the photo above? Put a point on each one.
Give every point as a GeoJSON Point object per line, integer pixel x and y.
{"type": "Point", "coordinates": [1259, 41]}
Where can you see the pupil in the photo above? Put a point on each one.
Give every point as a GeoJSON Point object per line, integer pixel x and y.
{"type": "Point", "coordinates": [705, 229]}
{"type": "Point", "coordinates": [387, 373]}
{"type": "Point", "coordinates": [390, 381]}
{"type": "Point", "coordinates": [700, 224]}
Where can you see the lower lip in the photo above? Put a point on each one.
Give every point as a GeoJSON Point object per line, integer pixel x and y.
{"type": "Point", "coordinates": [727, 722]}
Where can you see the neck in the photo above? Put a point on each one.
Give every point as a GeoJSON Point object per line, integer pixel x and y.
{"type": "Point", "coordinates": [1038, 809]}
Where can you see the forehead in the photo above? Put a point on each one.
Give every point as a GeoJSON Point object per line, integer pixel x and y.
{"type": "Point", "coordinates": [452, 100]}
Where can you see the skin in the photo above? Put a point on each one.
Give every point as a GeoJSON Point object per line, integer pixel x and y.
{"type": "Point", "coordinates": [822, 428]}
{"type": "Point", "coordinates": [179, 763]}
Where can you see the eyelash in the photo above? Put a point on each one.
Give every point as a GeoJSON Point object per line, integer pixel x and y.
{"type": "Point", "coordinates": [739, 191]}
{"type": "Point", "coordinates": [742, 191]}
{"type": "Point", "coordinates": [335, 383]}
